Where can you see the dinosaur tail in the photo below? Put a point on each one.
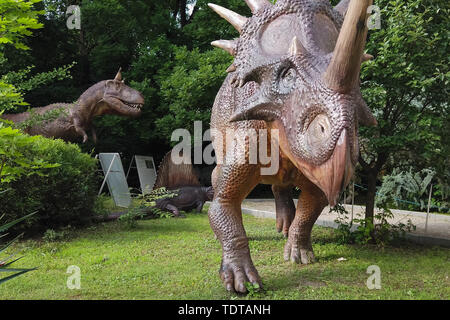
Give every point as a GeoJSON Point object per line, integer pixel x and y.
{"type": "Point", "coordinates": [171, 175]}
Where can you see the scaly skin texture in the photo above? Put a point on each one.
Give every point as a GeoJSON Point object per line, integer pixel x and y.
{"type": "Point", "coordinates": [75, 120]}
{"type": "Point", "coordinates": [295, 71]}
{"type": "Point", "coordinates": [187, 198]}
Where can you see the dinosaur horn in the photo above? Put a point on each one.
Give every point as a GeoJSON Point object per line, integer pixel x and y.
{"type": "Point", "coordinates": [226, 45]}
{"type": "Point", "coordinates": [342, 7]}
{"type": "Point", "coordinates": [236, 20]}
{"type": "Point", "coordinates": [256, 5]}
{"type": "Point", "coordinates": [119, 75]}
{"type": "Point", "coordinates": [345, 65]}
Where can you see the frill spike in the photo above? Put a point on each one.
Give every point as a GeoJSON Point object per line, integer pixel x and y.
{"type": "Point", "coordinates": [226, 45]}
{"type": "Point", "coordinates": [236, 20]}
{"type": "Point", "coordinates": [231, 68]}
{"type": "Point", "coordinates": [256, 5]}
{"type": "Point", "coordinates": [367, 57]}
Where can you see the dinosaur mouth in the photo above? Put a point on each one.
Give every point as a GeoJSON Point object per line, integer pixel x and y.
{"type": "Point", "coordinates": [136, 106]}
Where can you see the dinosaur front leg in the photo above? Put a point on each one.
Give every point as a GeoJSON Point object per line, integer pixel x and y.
{"type": "Point", "coordinates": [199, 207]}
{"type": "Point", "coordinates": [94, 135]}
{"type": "Point", "coordinates": [298, 248]}
{"type": "Point", "coordinates": [285, 207]}
{"type": "Point", "coordinates": [80, 130]}
{"type": "Point", "coordinates": [174, 210]}
{"type": "Point", "coordinates": [225, 216]}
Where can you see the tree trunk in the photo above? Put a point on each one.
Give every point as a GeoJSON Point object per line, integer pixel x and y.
{"type": "Point", "coordinates": [371, 194]}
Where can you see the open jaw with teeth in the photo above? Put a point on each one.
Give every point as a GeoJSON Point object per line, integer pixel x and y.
{"type": "Point", "coordinates": [137, 106]}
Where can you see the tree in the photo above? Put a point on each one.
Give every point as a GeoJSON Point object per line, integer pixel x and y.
{"type": "Point", "coordinates": [406, 86]}
{"type": "Point", "coordinates": [18, 18]}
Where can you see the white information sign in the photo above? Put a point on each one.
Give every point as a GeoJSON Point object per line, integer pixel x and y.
{"type": "Point", "coordinates": [115, 178]}
{"type": "Point", "coordinates": [147, 173]}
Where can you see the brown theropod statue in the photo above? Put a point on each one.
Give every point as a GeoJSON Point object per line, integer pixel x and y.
{"type": "Point", "coordinates": [73, 120]}
{"type": "Point", "coordinates": [296, 70]}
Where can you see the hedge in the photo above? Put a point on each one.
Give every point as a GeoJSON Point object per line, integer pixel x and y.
{"type": "Point", "coordinates": [63, 196]}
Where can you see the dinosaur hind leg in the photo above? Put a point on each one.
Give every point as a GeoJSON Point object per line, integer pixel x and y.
{"type": "Point", "coordinates": [298, 248]}
{"type": "Point", "coordinates": [285, 207]}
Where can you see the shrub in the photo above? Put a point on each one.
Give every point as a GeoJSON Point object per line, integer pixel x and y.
{"type": "Point", "coordinates": [363, 231]}
{"type": "Point", "coordinates": [62, 195]}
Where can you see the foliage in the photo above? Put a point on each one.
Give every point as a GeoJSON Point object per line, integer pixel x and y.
{"type": "Point", "coordinates": [254, 290]}
{"type": "Point", "coordinates": [129, 219]}
{"type": "Point", "coordinates": [63, 194]}
{"type": "Point", "coordinates": [189, 91]}
{"type": "Point", "coordinates": [100, 208]}
{"type": "Point", "coordinates": [414, 186]}
{"type": "Point", "coordinates": [18, 18]}
{"type": "Point", "coordinates": [5, 263]}
{"type": "Point", "coordinates": [52, 235]}
{"type": "Point", "coordinates": [149, 201]}
{"type": "Point", "coordinates": [363, 231]}
{"type": "Point", "coordinates": [16, 84]}
{"type": "Point", "coordinates": [145, 205]}
{"type": "Point", "coordinates": [15, 161]}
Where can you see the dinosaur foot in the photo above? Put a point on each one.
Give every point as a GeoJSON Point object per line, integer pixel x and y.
{"type": "Point", "coordinates": [283, 224]}
{"type": "Point", "coordinates": [237, 273]}
{"type": "Point", "coordinates": [179, 216]}
{"type": "Point", "coordinates": [294, 253]}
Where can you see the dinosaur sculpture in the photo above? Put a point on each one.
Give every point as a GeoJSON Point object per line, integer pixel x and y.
{"type": "Point", "coordinates": [183, 179]}
{"type": "Point", "coordinates": [296, 70]}
{"type": "Point", "coordinates": [186, 199]}
{"type": "Point", "coordinates": [172, 176]}
{"type": "Point", "coordinates": [74, 120]}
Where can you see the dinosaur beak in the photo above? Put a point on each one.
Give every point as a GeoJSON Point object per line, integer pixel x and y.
{"type": "Point", "coordinates": [335, 174]}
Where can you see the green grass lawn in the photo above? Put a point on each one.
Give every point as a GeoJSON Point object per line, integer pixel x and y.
{"type": "Point", "coordinates": [179, 259]}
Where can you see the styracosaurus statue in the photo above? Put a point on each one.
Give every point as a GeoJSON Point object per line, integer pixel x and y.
{"type": "Point", "coordinates": [295, 71]}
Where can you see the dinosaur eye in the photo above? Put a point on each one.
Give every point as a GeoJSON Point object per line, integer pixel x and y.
{"type": "Point", "coordinates": [287, 80]}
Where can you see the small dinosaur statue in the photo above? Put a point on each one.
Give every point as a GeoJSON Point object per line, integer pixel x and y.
{"type": "Point", "coordinates": [74, 120]}
{"type": "Point", "coordinates": [186, 199]}
{"type": "Point", "coordinates": [183, 180]}
{"type": "Point", "coordinates": [173, 175]}
{"type": "Point", "coordinates": [296, 70]}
